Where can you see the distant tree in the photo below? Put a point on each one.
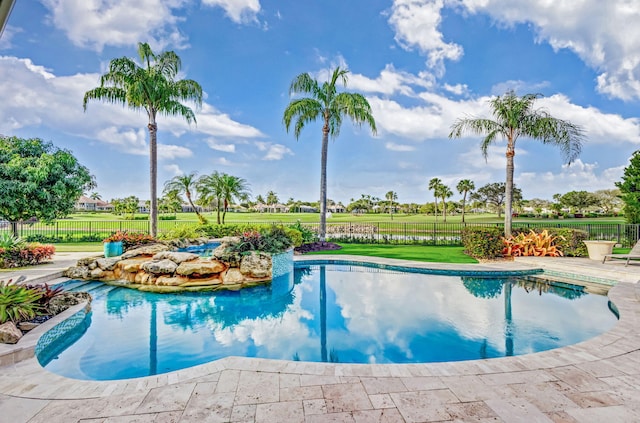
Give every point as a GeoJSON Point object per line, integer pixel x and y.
{"type": "Point", "coordinates": [608, 199]}
{"type": "Point", "coordinates": [516, 117]}
{"type": "Point", "coordinates": [128, 205]}
{"type": "Point", "coordinates": [260, 200]}
{"type": "Point", "coordinates": [95, 196]}
{"type": "Point", "coordinates": [630, 189]}
{"type": "Point", "coordinates": [326, 103]}
{"type": "Point", "coordinates": [233, 188]}
{"type": "Point", "coordinates": [210, 192]}
{"type": "Point", "coordinates": [153, 88]}
{"type": "Point", "coordinates": [464, 187]}
{"type": "Point", "coordinates": [170, 202]}
{"type": "Point", "coordinates": [38, 180]}
{"type": "Point", "coordinates": [435, 184]}
{"type": "Point", "coordinates": [185, 184]}
{"type": "Point", "coordinates": [444, 192]}
{"type": "Point", "coordinates": [391, 197]}
{"type": "Point", "coordinates": [272, 198]}
{"type": "Point", "coordinates": [494, 194]}
{"type": "Point", "coordinates": [578, 200]}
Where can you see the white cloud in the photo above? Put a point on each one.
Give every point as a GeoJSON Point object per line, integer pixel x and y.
{"type": "Point", "coordinates": [604, 34]}
{"type": "Point", "coordinates": [225, 148]}
{"type": "Point", "coordinates": [239, 11]}
{"type": "Point", "coordinates": [273, 151]}
{"type": "Point", "coordinates": [520, 87]}
{"type": "Point", "coordinates": [390, 82]}
{"type": "Point", "coordinates": [173, 169]}
{"type": "Point", "coordinates": [398, 147]}
{"type": "Point", "coordinates": [416, 24]}
{"type": "Point", "coordinates": [7, 35]}
{"type": "Point", "coordinates": [94, 24]}
{"type": "Point", "coordinates": [34, 96]}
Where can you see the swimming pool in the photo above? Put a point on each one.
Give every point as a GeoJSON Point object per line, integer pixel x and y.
{"type": "Point", "coordinates": [326, 312]}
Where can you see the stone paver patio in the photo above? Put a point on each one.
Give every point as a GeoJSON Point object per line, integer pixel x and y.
{"type": "Point", "coordinates": [595, 381]}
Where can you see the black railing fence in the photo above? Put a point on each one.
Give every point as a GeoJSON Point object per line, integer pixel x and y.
{"type": "Point", "coordinates": [361, 232]}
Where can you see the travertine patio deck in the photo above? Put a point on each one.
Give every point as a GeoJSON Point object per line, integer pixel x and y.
{"type": "Point", "coordinates": [594, 381]}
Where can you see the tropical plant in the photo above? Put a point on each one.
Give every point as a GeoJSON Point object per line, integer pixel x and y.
{"type": "Point", "coordinates": [185, 184]}
{"type": "Point", "coordinates": [130, 239]}
{"type": "Point", "coordinates": [495, 194]}
{"type": "Point", "coordinates": [95, 196]}
{"type": "Point", "coordinates": [232, 188]}
{"type": "Point", "coordinates": [435, 184]}
{"type": "Point", "coordinates": [9, 241]}
{"type": "Point", "coordinates": [46, 292]}
{"type": "Point", "coordinates": [210, 191]}
{"type": "Point", "coordinates": [444, 192]}
{"type": "Point", "coordinates": [464, 187]}
{"type": "Point", "coordinates": [308, 235]}
{"type": "Point", "coordinates": [153, 88]}
{"type": "Point", "coordinates": [326, 103]}
{"type": "Point", "coordinates": [515, 117]}
{"type": "Point", "coordinates": [38, 180]}
{"type": "Point", "coordinates": [272, 198]}
{"type": "Point", "coordinates": [531, 244]}
{"type": "Point", "coordinates": [17, 302]}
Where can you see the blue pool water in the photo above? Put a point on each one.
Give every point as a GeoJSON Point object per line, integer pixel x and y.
{"type": "Point", "coordinates": [332, 312]}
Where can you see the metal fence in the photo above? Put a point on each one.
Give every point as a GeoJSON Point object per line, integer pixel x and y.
{"type": "Point", "coordinates": [361, 232]}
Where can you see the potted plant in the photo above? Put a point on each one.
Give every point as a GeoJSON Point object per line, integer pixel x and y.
{"type": "Point", "coordinates": [114, 245]}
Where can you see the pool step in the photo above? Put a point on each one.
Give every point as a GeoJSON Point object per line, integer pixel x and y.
{"type": "Point", "coordinates": [101, 291]}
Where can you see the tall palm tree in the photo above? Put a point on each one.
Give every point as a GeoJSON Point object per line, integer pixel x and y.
{"type": "Point", "coordinates": [391, 196]}
{"type": "Point", "coordinates": [444, 192]}
{"type": "Point", "coordinates": [95, 196]}
{"type": "Point", "coordinates": [232, 187]}
{"type": "Point", "coordinates": [515, 117]}
{"type": "Point", "coordinates": [153, 88]}
{"type": "Point", "coordinates": [210, 191]}
{"type": "Point", "coordinates": [185, 184]}
{"type": "Point", "coordinates": [435, 184]}
{"type": "Point", "coordinates": [464, 187]}
{"type": "Point", "coordinates": [325, 102]}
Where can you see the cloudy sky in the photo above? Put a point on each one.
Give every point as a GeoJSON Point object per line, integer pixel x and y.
{"type": "Point", "coordinates": [420, 63]}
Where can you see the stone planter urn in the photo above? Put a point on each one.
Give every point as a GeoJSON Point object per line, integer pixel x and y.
{"type": "Point", "coordinates": [113, 249]}
{"type": "Point", "coordinates": [598, 249]}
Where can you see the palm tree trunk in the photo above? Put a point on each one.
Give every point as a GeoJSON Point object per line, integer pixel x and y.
{"type": "Point", "coordinates": [436, 212]}
{"type": "Point", "coordinates": [323, 180]}
{"type": "Point", "coordinates": [464, 204]}
{"type": "Point", "coordinates": [444, 210]}
{"type": "Point", "coordinates": [200, 218]}
{"type": "Point", "coordinates": [508, 195]}
{"type": "Point", "coordinates": [153, 174]}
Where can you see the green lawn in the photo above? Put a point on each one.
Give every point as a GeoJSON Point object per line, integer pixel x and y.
{"type": "Point", "coordinates": [66, 247]}
{"type": "Point", "coordinates": [439, 254]}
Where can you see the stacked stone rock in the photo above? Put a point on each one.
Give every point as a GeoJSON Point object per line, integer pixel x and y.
{"type": "Point", "coordinates": [157, 268]}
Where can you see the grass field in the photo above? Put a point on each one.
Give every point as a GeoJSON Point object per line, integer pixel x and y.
{"type": "Point", "coordinates": [444, 254]}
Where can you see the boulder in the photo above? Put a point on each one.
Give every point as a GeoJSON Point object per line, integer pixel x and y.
{"type": "Point", "coordinates": [9, 333]}
{"type": "Point", "coordinates": [200, 282]}
{"type": "Point", "coordinates": [201, 267]}
{"type": "Point", "coordinates": [132, 265]}
{"type": "Point", "coordinates": [92, 265]}
{"type": "Point", "coordinates": [161, 267]}
{"type": "Point", "coordinates": [171, 280]}
{"type": "Point", "coordinates": [232, 276]}
{"type": "Point", "coordinates": [64, 300]}
{"type": "Point", "coordinates": [85, 261]}
{"type": "Point", "coordinates": [145, 250]}
{"type": "Point", "coordinates": [175, 256]}
{"type": "Point", "coordinates": [97, 273]}
{"type": "Point", "coordinates": [27, 326]}
{"type": "Point", "coordinates": [256, 265]}
{"type": "Point", "coordinates": [77, 272]}
{"type": "Point", "coordinates": [107, 263]}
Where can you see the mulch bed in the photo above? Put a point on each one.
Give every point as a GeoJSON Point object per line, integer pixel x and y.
{"type": "Point", "coordinates": [316, 246]}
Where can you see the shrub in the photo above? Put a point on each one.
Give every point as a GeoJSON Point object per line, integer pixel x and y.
{"type": "Point", "coordinates": [46, 292]}
{"type": "Point", "coordinates": [130, 239]}
{"type": "Point", "coordinates": [29, 254]}
{"type": "Point", "coordinates": [18, 302]}
{"type": "Point", "coordinates": [10, 242]}
{"type": "Point", "coordinates": [482, 243]}
{"type": "Point", "coordinates": [220, 231]}
{"type": "Point", "coordinates": [273, 239]}
{"type": "Point", "coordinates": [308, 235]}
{"type": "Point", "coordinates": [567, 240]}
{"type": "Point", "coordinates": [182, 232]}
{"type": "Point", "coordinates": [295, 236]}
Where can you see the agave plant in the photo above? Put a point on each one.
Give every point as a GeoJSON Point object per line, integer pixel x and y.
{"type": "Point", "coordinates": [10, 242]}
{"type": "Point", "coordinates": [18, 302]}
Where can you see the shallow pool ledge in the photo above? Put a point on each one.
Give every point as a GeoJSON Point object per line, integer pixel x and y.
{"type": "Point", "coordinates": [25, 348]}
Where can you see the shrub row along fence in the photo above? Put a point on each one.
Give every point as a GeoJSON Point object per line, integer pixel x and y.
{"type": "Point", "coordinates": [367, 232]}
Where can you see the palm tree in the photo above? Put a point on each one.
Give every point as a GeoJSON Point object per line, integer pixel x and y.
{"type": "Point", "coordinates": [515, 117]}
{"type": "Point", "coordinates": [272, 198]}
{"type": "Point", "coordinates": [232, 187]}
{"type": "Point", "coordinates": [95, 196]}
{"type": "Point", "coordinates": [210, 191]}
{"type": "Point", "coordinates": [435, 184]}
{"type": "Point", "coordinates": [464, 187]}
{"type": "Point", "coordinates": [325, 102]}
{"type": "Point", "coordinates": [185, 184]}
{"type": "Point", "coordinates": [444, 192]}
{"type": "Point", "coordinates": [391, 197]}
{"type": "Point", "coordinates": [151, 87]}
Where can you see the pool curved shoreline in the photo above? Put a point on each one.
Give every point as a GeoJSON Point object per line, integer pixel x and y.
{"type": "Point", "coordinates": [609, 357]}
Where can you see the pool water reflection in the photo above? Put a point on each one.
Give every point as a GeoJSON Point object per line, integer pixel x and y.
{"type": "Point", "coordinates": [338, 313]}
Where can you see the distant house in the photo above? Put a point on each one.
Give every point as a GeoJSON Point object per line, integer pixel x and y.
{"type": "Point", "coordinates": [270, 208]}
{"type": "Point", "coordinates": [307, 209]}
{"type": "Point", "coordinates": [85, 203]}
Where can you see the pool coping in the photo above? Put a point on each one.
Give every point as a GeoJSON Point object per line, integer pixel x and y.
{"type": "Point", "coordinates": [27, 379]}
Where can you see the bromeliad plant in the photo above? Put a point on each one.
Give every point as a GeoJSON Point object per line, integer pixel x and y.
{"type": "Point", "coordinates": [531, 244]}
{"type": "Point", "coordinates": [18, 302]}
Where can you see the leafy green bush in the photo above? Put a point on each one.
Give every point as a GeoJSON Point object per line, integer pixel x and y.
{"type": "Point", "coordinates": [220, 231]}
{"type": "Point", "coordinates": [183, 232]}
{"type": "Point", "coordinates": [273, 239]}
{"type": "Point", "coordinates": [9, 242]}
{"type": "Point", "coordinates": [308, 235]}
{"type": "Point", "coordinates": [482, 243]}
{"type": "Point", "coordinates": [295, 236]}
{"type": "Point", "coordinates": [18, 303]}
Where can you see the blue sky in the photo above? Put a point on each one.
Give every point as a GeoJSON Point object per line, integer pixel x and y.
{"type": "Point", "coordinates": [420, 63]}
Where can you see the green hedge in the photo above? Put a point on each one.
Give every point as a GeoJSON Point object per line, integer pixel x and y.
{"type": "Point", "coordinates": [483, 243]}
